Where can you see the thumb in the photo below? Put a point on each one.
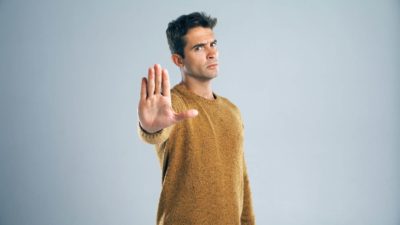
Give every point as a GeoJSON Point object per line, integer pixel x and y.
{"type": "Point", "coordinates": [186, 115]}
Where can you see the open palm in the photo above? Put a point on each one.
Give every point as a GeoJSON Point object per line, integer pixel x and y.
{"type": "Point", "coordinates": [155, 107]}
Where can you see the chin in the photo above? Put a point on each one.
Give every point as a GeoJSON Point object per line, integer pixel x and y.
{"type": "Point", "coordinates": [205, 76]}
{"type": "Point", "coordinates": [212, 76]}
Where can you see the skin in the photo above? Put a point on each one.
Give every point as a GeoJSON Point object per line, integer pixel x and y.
{"type": "Point", "coordinates": [198, 68]}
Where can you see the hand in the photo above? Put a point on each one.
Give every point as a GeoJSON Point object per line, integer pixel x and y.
{"type": "Point", "coordinates": [155, 108]}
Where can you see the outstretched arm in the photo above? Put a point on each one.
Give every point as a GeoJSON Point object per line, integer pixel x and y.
{"type": "Point", "coordinates": [155, 108]}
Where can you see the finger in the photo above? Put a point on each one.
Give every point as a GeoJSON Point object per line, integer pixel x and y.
{"type": "Point", "coordinates": [157, 70]}
{"type": "Point", "coordinates": [165, 83]}
{"type": "Point", "coordinates": [150, 82]}
{"type": "Point", "coordinates": [186, 115]}
{"type": "Point", "coordinates": [143, 89]}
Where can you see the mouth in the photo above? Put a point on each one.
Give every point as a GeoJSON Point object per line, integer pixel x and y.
{"type": "Point", "coordinates": [212, 66]}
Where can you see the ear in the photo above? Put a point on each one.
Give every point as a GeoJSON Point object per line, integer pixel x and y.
{"type": "Point", "coordinates": [177, 59]}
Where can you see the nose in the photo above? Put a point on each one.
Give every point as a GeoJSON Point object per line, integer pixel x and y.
{"type": "Point", "coordinates": [212, 53]}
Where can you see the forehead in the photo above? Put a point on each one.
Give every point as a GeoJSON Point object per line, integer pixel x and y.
{"type": "Point", "coordinates": [198, 35]}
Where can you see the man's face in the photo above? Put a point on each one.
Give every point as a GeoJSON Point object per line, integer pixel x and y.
{"type": "Point", "coordinates": [201, 54]}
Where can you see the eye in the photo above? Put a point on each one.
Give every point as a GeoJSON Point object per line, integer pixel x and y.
{"type": "Point", "coordinates": [214, 44]}
{"type": "Point", "coordinates": [198, 48]}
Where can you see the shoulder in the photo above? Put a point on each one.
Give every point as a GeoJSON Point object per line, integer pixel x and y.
{"type": "Point", "coordinates": [177, 100]}
{"type": "Point", "coordinates": [228, 103]}
{"type": "Point", "coordinates": [232, 108]}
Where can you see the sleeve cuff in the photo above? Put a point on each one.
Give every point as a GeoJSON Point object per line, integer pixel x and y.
{"type": "Point", "coordinates": [153, 138]}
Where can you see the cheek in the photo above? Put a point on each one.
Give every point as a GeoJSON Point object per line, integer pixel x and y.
{"type": "Point", "coordinates": [193, 62]}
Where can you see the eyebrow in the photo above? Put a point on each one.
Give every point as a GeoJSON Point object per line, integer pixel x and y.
{"type": "Point", "coordinates": [202, 44]}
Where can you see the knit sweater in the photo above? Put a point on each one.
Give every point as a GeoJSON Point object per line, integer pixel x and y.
{"type": "Point", "coordinates": [204, 175]}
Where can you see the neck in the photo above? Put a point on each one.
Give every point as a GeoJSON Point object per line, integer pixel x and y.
{"type": "Point", "coordinates": [199, 87]}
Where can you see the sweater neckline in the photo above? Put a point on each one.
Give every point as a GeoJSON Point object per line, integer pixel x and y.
{"type": "Point", "coordinates": [182, 88]}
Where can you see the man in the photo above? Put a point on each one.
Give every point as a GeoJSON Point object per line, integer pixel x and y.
{"type": "Point", "coordinates": [198, 134]}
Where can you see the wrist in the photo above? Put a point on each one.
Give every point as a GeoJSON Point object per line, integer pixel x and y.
{"type": "Point", "coordinates": [147, 131]}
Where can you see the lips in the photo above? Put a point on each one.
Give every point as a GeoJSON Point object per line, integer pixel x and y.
{"type": "Point", "coordinates": [212, 66]}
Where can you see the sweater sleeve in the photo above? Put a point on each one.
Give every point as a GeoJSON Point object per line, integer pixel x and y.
{"type": "Point", "coordinates": [154, 138]}
{"type": "Point", "coordinates": [161, 136]}
{"type": "Point", "coordinates": [247, 217]}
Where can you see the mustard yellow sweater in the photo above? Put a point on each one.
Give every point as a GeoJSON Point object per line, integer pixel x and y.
{"type": "Point", "coordinates": [204, 176]}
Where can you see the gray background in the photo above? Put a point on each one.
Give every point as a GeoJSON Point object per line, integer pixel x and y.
{"type": "Point", "coordinates": [317, 82]}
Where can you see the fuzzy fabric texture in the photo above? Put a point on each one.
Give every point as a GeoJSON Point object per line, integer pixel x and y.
{"type": "Point", "coordinates": [204, 176]}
